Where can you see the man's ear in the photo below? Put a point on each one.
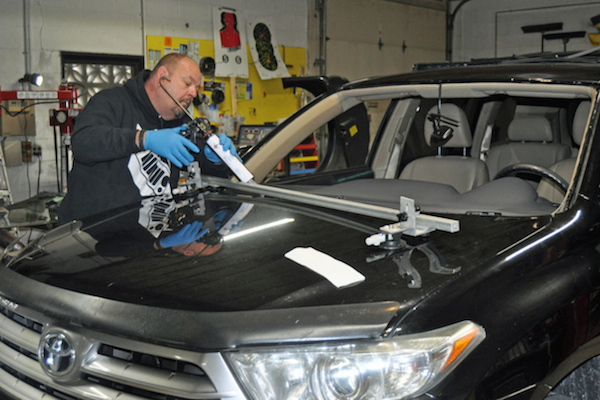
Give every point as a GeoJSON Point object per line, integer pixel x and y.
{"type": "Point", "coordinates": [163, 73]}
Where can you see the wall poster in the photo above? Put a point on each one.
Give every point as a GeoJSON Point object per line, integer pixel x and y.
{"type": "Point", "coordinates": [229, 32]}
{"type": "Point", "coordinates": [264, 50]}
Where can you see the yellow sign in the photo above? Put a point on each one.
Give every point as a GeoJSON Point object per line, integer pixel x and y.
{"type": "Point", "coordinates": [258, 101]}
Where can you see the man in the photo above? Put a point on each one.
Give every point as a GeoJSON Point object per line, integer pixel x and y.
{"type": "Point", "coordinates": [127, 139]}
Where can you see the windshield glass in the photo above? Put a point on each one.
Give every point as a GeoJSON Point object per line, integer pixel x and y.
{"type": "Point", "coordinates": [493, 149]}
{"type": "Point", "coordinates": [342, 142]}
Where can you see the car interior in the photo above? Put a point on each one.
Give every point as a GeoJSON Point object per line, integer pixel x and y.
{"type": "Point", "coordinates": [462, 172]}
{"type": "Point", "coordinates": [472, 148]}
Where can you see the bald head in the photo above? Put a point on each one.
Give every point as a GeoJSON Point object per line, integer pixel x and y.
{"type": "Point", "coordinates": [180, 75]}
{"type": "Point", "coordinates": [171, 61]}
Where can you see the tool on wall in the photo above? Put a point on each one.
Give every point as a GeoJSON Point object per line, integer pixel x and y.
{"type": "Point", "coordinates": [564, 36]}
{"type": "Point", "coordinates": [207, 68]}
{"type": "Point", "coordinates": [542, 28]}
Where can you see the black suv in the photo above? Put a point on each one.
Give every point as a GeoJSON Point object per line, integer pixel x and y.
{"type": "Point", "coordinates": [457, 258]}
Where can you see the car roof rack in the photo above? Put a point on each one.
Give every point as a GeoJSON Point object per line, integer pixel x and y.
{"type": "Point", "coordinates": [589, 56]}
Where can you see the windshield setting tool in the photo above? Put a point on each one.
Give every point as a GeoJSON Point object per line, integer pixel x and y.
{"type": "Point", "coordinates": [417, 224]}
{"type": "Point", "coordinates": [308, 198]}
{"type": "Point", "coordinates": [412, 223]}
{"type": "Point", "coordinates": [199, 129]}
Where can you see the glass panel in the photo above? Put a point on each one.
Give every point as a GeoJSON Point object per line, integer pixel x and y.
{"type": "Point", "coordinates": [342, 143]}
{"type": "Point", "coordinates": [91, 78]}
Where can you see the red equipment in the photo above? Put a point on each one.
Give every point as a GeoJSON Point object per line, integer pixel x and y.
{"type": "Point", "coordinates": [63, 117]}
{"type": "Point", "coordinates": [66, 95]}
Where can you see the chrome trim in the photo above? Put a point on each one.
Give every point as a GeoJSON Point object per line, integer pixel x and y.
{"type": "Point", "coordinates": [56, 349]}
{"type": "Point", "coordinates": [22, 363]}
{"type": "Point", "coordinates": [149, 378]}
{"type": "Point", "coordinates": [18, 334]}
{"type": "Point", "coordinates": [18, 351]}
{"type": "Point", "coordinates": [20, 389]}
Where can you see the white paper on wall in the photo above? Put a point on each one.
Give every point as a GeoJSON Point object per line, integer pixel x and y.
{"type": "Point", "coordinates": [229, 32]}
{"type": "Point", "coordinates": [264, 50]}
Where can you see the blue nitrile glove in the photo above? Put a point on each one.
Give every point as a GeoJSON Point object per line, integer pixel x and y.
{"type": "Point", "coordinates": [188, 234]}
{"type": "Point", "coordinates": [226, 144]}
{"type": "Point", "coordinates": [220, 218]}
{"type": "Point", "coordinates": [171, 144]}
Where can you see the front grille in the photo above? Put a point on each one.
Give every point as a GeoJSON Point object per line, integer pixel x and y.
{"type": "Point", "coordinates": [21, 350]}
{"type": "Point", "coordinates": [148, 360]}
{"type": "Point", "coordinates": [36, 385]}
{"type": "Point", "coordinates": [26, 322]}
{"type": "Point", "coordinates": [115, 367]}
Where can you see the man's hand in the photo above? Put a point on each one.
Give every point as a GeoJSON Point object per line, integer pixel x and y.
{"type": "Point", "coordinates": [169, 143]}
{"type": "Point", "coordinates": [188, 234]}
{"type": "Point", "coordinates": [226, 144]}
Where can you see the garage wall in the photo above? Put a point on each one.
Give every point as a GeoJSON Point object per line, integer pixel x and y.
{"type": "Point", "coordinates": [113, 27]}
{"type": "Point", "coordinates": [491, 28]}
{"type": "Point", "coordinates": [409, 35]}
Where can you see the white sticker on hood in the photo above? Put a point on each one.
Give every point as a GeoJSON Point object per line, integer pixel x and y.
{"type": "Point", "coordinates": [335, 271]}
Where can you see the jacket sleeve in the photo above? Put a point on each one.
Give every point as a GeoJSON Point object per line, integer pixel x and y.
{"type": "Point", "coordinates": [98, 136]}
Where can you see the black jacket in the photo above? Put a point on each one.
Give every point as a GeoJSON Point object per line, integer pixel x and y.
{"type": "Point", "coordinates": [109, 171]}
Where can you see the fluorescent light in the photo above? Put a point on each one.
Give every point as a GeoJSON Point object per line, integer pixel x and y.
{"type": "Point", "coordinates": [258, 228]}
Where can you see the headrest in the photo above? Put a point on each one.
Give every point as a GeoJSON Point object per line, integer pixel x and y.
{"type": "Point", "coordinates": [580, 120]}
{"type": "Point", "coordinates": [530, 129]}
{"type": "Point", "coordinates": [457, 120]}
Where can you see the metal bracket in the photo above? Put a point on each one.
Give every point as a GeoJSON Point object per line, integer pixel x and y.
{"type": "Point", "coordinates": [192, 178]}
{"type": "Point", "coordinates": [417, 224]}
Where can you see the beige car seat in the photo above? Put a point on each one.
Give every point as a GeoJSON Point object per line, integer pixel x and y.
{"type": "Point", "coordinates": [565, 168]}
{"type": "Point", "coordinates": [531, 139]}
{"type": "Point", "coordinates": [461, 172]}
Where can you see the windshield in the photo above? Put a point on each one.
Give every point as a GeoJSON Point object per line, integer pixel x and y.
{"type": "Point", "coordinates": [473, 148]}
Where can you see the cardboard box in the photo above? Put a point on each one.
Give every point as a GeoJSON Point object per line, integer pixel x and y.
{"type": "Point", "coordinates": [13, 153]}
{"type": "Point", "coordinates": [22, 124]}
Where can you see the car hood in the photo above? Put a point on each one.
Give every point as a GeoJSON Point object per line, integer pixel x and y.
{"type": "Point", "coordinates": [112, 256]}
{"type": "Point", "coordinates": [243, 269]}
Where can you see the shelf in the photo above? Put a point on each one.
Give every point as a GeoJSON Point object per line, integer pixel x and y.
{"type": "Point", "coordinates": [304, 159]}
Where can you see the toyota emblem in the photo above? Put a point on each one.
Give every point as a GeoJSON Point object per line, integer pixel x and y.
{"type": "Point", "coordinates": [57, 354]}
